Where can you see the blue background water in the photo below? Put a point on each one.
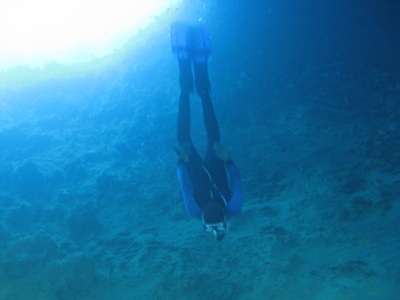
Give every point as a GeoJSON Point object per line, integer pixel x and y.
{"type": "Point", "coordinates": [307, 96]}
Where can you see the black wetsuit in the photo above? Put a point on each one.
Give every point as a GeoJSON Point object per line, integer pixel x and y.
{"type": "Point", "coordinates": [208, 179]}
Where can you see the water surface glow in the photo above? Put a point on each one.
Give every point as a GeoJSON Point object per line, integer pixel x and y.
{"type": "Point", "coordinates": [69, 31]}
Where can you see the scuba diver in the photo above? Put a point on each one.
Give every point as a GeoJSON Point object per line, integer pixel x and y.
{"type": "Point", "coordinates": [204, 184]}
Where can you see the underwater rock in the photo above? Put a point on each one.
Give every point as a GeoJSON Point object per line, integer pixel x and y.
{"type": "Point", "coordinates": [29, 180]}
{"type": "Point", "coordinates": [108, 187]}
{"type": "Point", "coordinates": [351, 183]}
{"type": "Point", "coordinates": [4, 235]}
{"type": "Point", "coordinates": [6, 201]}
{"type": "Point", "coordinates": [78, 275]}
{"type": "Point", "coordinates": [389, 194]}
{"type": "Point", "coordinates": [28, 254]}
{"type": "Point", "coordinates": [106, 183]}
{"type": "Point", "coordinates": [56, 179]}
{"type": "Point", "coordinates": [6, 172]}
{"type": "Point", "coordinates": [125, 150]}
{"type": "Point", "coordinates": [83, 224]}
{"type": "Point", "coordinates": [353, 268]}
{"type": "Point", "coordinates": [11, 138]}
{"type": "Point", "coordinates": [41, 143]}
{"type": "Point", "coordinates": [75, 170]}
{"type": "Point", "coordinates": [93, 157]}
{"type": "Point", "coordinates": [21, 219]}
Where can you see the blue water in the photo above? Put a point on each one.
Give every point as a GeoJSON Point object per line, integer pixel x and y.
{"type": "Point", "coordinates": [307, 95]}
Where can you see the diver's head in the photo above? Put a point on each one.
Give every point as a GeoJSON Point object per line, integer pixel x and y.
{"type": "Point", "coordinates": [214, 220]}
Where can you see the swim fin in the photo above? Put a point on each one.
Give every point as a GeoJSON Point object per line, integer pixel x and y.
{"type": "Point", "coordinates": [179, 32]}
{"type": "Point", "coordinates": [200, 42]}
{"type": "Point", "coordinates": [190, 42]}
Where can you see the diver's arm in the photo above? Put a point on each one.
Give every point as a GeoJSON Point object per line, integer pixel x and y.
{"type": "Point", "coordinates": [235, 203]}
{"type": "Point", "coordinates": [187, 192]}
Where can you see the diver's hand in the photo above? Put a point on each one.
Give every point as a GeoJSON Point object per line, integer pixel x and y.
{"type": "Point", "coordinates": [221, 152]}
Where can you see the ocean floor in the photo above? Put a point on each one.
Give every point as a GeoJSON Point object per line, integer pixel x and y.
{"type": "Point", "coordinates": [90, 205]}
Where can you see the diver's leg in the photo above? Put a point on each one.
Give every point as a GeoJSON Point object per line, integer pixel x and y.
{"type": "Point", "coordinates": [186, 152]}
{"type": "Point", "coordinates": [188, 155]}
{"type": "Point", "coordinates": [213, 163]}
{"type": "Point", "coordinates": [186, 83]}
{"type": "Point", "coordinates": [203, 89]}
